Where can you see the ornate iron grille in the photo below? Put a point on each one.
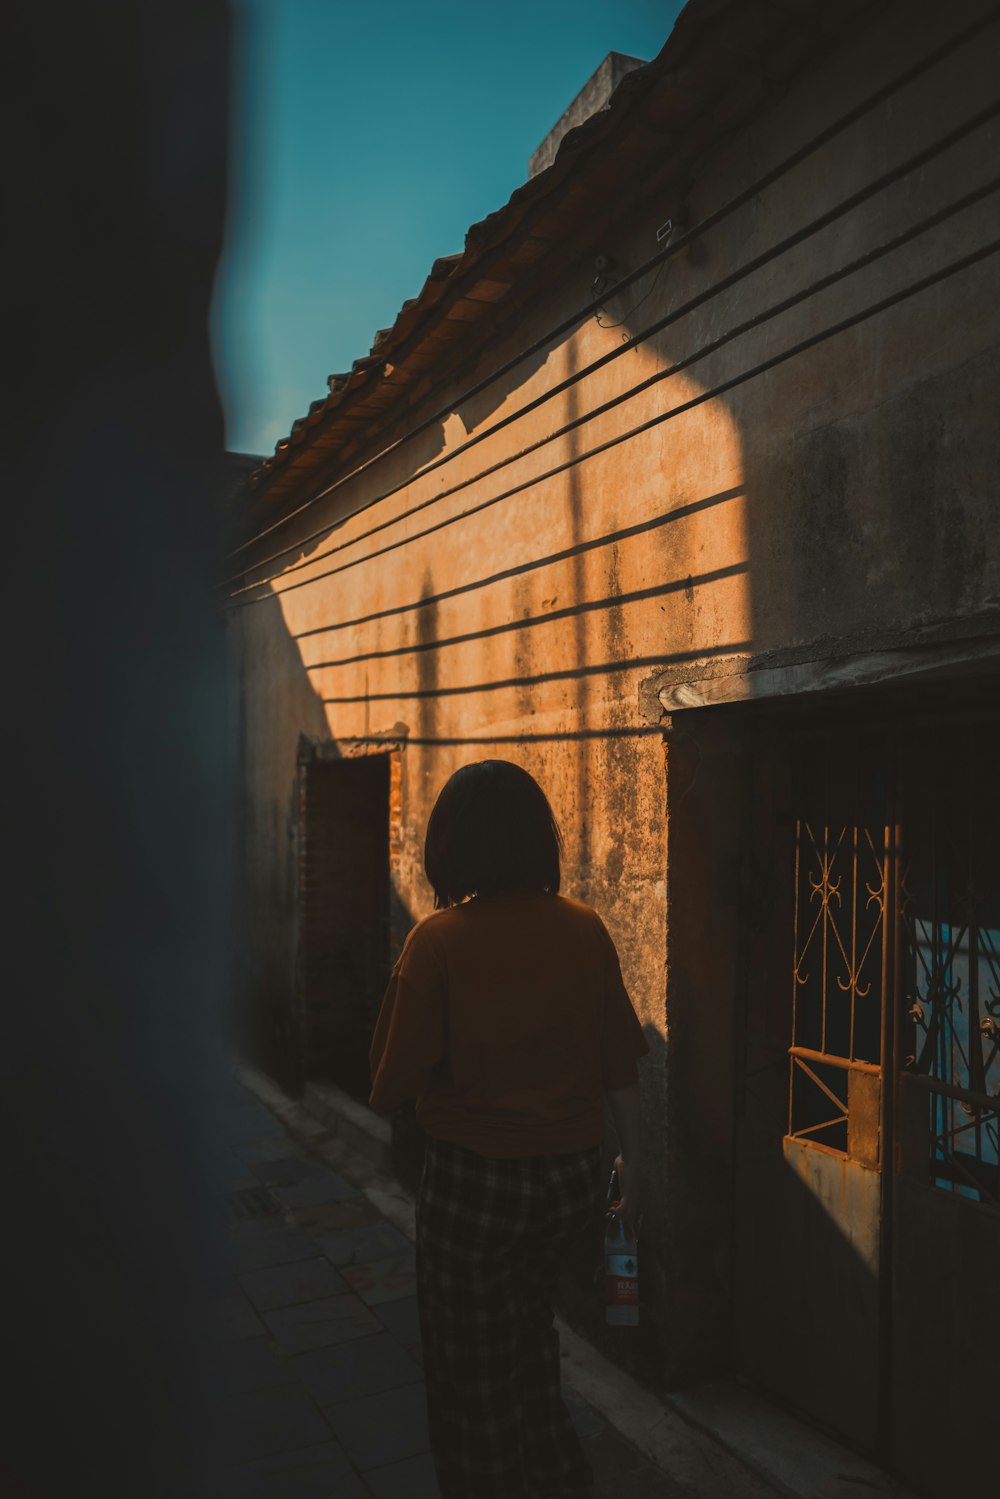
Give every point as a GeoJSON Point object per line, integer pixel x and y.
{"type": "Point", "coordinates": [841, 880]}
{"type": "Point", "coordinates": [897, 908]}
{"type": "Point", "coordinates": [949, 916]}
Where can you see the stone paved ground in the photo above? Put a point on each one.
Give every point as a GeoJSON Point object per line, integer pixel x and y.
{"type": "Point", "coordinates": [320, 1356]}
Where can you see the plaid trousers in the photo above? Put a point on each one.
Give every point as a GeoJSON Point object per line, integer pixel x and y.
{"type": "Point", "coordinates": [490, 1237]}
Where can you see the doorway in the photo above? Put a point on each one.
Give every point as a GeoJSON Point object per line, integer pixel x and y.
{"type": "Point", "coordinates": [343, 915]}
{"type": "Point", "coordinates": [867, 1201]}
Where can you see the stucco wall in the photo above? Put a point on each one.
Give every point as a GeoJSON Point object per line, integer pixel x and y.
{"type": "Point", "coordinates": [846, 493]}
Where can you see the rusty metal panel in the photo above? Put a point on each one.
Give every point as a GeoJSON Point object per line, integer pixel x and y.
{"type": "Point", "coordinates": [864, 1103]}
{"type": "Point", "coordinates": [847, 1192]}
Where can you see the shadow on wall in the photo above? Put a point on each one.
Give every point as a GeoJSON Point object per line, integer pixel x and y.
{"type": "Point", "coordinates": [872, 527]}
{"type": "Point", "coordinates": [321, 917]}
{"type": "Point", "coordinates": [426, 451]}
{"type": "Point", "coordinates": [428, 673]}
{"type": "Point", "coordinates": [277, 692]}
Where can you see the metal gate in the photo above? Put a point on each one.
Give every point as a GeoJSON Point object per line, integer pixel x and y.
{"type": "Point", "coordinates": [868, 1194]}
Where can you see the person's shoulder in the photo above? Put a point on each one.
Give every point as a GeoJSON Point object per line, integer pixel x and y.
{"type": "Point", "coordinates": [449, 919]}
{"type": "Point", "coordinates": [586, 922]}
{"type": "Point", "coordinates": [424, 937]}
{"type": "Point", "coordinates": [428, 923]}
{"type": "Point", "coordinates": [579, 912]}
{"type": "Point", "coordinates": [435, 918]}
{"type": "Point", "coordinates": [440, 927]}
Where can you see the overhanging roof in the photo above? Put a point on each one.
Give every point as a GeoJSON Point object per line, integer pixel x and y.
{"type": "Point", "coordinates": [723, 59]}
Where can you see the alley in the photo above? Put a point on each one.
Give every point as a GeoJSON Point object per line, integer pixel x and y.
{"type": "Point", "coordinates": [321, 1349]}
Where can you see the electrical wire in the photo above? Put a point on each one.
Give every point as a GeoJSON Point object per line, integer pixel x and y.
{"type": "Point", "coordinates": [738, 330]}
{"type": "Point", "coordinates": [642, 427]}
{"type": "Point", "coordinates": [766, 365]}
{"type": "Point", "coordinates": [613, 292]}
{"type": "Point", "coordinates": [791, 241]}
{"type": "Point", "coordinates": [506, 626]}
{"type": "Point", "coordinates": [473, 585]}
{"type": "Point", "coordinates": [857, 112]}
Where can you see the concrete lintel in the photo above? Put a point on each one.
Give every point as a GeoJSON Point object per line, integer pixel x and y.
{"type": "Point", "coordinates": [391, 743]}
{"type": "Point", "coordinates": [740, 679]}
{"type": "Point", "coordinates": [378, 742]}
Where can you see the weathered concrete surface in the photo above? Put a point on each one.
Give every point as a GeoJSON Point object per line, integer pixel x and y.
{"type": "Point", "coordinates": [800, 1463]}
{"type": "Point", "coordinates": [639, 1448]}
{"type": "Point", "coordinates": [711, 1439]}
{"type": "Point", "coordinates": [593, 96]}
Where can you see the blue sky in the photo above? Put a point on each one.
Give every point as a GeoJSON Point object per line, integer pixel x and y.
{"type": "Point", "coordinates": [366, 139]}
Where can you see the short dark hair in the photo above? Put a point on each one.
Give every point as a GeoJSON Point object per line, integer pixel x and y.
{"type": "Point", "coordinates": [491, 832]}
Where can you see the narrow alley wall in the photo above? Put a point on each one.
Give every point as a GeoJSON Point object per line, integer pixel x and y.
{"type": "Point", "coordinates": [764, 486]}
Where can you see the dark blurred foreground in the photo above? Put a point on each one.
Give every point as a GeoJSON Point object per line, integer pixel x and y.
{"type": "Point", "coordinates": [115, 793]}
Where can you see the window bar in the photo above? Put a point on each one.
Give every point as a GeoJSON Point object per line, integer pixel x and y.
{"type": "Point", "coordinates": [828, 1059]}
{"type": "Point", "coordinates": [853, 976]}
{"type": "Point", "coordinates": [795, 966]}
{"type": "Point", "coordinates": [825, 897]}
{"type": "Point", "coordinates": [890, 1037]}
{"type": "Point", "coordinates": [939, 1103]}
{"type": "Point", "coordinates": [841, 1105]}
{"type": "Point", "coordinates": [977, 1074]}
{"type": "Point", "coordinates": [812, 1129]}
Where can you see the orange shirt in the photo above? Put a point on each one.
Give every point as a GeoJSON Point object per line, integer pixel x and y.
{"type": "Point", "coordinates": [508, 1020]}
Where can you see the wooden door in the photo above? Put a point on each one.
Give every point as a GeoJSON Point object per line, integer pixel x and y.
{"type": "Point", "coordinates": [343, 914]}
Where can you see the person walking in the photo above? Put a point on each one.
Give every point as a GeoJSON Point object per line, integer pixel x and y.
{"type": "Point", "coordinates": [507, 1019]}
